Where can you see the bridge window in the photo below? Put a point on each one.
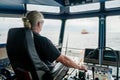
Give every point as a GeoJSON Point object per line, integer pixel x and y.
{"type": "Point", "coordinates": [43, 8]}
{"type": "Point", "coordinates": [85, 7]}
{"type": "Point", "coordinates": [6, 24]}
{"type": "Point", "coordinates": [112, 4]}
{"type": "Point", "coordinates": [80, 34]}
{"type": "Point", "coordinates": [51, 29]}
{"type": "Point", "coordinates": [113, 32]}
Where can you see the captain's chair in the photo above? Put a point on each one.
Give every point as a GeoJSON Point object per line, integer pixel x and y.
{"type": "Point", "coordinates": [23, 56]}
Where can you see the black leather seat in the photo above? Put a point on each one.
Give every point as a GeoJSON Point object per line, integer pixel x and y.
{"type": "Point", "coordinates": [23, 56]}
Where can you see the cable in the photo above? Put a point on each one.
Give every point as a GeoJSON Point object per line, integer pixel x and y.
{"type": "Point", "coordinates": [67, 45]}
{"type": "Point", "coordinates": [117, 61]}
{"type": "Point", "coordinates": [88, 56]}
{"type": "Point", "coordinates": [92, 53]}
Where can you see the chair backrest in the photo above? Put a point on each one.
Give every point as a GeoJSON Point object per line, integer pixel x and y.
{"type": "Point", "coordinates": [21, 51]}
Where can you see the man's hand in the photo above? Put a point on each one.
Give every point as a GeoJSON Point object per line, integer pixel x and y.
{"type": "Point", "coordinates": [83, 67]}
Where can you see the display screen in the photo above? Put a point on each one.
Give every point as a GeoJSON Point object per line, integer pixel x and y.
{"type": "Point", "coordinates": [109, 56]}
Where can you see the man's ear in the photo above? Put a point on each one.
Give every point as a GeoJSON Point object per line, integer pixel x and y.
{"type": "Point", "coordinates": [38, 24]}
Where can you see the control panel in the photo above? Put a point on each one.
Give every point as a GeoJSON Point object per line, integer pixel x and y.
{"type": "Point", "coordinates": [93, 73]}
{"type": "Point", "coordinates": [99, 73]}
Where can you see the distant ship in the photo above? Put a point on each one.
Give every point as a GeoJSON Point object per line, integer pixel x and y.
{"type": "Point", "coordinates": [84, 31]}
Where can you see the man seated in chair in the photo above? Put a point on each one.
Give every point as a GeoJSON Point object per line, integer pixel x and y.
{"type": "Point", "coordinates": [47, 52]}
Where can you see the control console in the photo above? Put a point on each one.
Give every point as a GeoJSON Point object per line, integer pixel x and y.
{"type": "Point", "coordinates": [98, 73]}
{"type": "Point", "coordinates": [94, 73]}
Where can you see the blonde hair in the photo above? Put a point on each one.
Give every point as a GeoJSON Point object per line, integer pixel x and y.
{"type": "Point", "coordinates": [32, 18]}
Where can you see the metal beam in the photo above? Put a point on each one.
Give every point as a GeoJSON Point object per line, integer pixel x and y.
{"type": "Point", "coordinates": [108, 12]}
{"type": "Point", "coordinates": [61, 37]}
